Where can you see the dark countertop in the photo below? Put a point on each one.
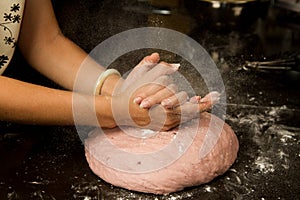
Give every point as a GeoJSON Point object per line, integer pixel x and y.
{"type": "Point", "coordinates": [263, 109]}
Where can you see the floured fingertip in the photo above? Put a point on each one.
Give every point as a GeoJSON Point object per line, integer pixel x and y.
{"type": "Point", "coordinates": [195, 99]}
{"type": "Point", "coordinates": [166, 103]}
{"type": "Point", "coordinates": [137, 100]}
{"type": "Point", "coordinates": [145, 104]}
{"type": "Point", "coordinates": [214, 97]}
{"type": "Point", "coordinates": [152, 59]}
{"type": "Point", "coordinates": [175, 65]}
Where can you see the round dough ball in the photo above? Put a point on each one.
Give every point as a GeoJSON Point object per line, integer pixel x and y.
{"type": "Point", "coordinates": [163, 162]}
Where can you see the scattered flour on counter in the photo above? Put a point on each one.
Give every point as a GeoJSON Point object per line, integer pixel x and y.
{"type": "Point", "coordinates": [283, 132]}
{"type": "Point", "coordinates": [268, 161]}
{"type": "Point", "coordinates": [264, 164]}
{"type": "Point", "coordinates": [272, 138]}
{"type": "Point", "coordinates": [174, 197]}
{"type": "Point", "coordinates": [272, 149]}
{"type": "Point", "coordinates": [208, 189]}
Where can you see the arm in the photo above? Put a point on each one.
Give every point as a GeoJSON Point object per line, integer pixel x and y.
{"type": "Point", "coordinates": [33, 104]}
{"type": "Point", "coordinates": [44, 46]}
{"type": "Point", "coordinates": [48, 51]}
{"type": "Point", "coordinates": [55, 56]}
{"type": "Point", "coordinates": [28, 103]}
{"type": "Point", "coordinates": [52, 54]}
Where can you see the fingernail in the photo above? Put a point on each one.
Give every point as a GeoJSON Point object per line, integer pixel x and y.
{"type": "Point", "coordinates": [145, 104]}
{"type": "Point", "coordinates": [166, 102]}
{"type": "Point", "coordinates": [212, 96]}
{"type": "Point", "coordinates": [148, 62]}
{"type": "Point", "coordinates": [217, 100]}
{"type": "Point", "coordinates": [137, 100]}
{"type": "Point", "coordinates": [175, 65]}
{"type": "Point", "coordinates": [215, 93]}
{"type": "Point", "coordinates": [195, 99]}
{"type": "Point", "coordinates": [149, 59]}
{"type": "Point", "coordinates": [203, 100]}
{"type": "Point", "coordinates": [215, 96]}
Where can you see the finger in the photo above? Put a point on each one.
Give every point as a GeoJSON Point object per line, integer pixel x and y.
{"type": "Point", "coordinates": [210, 99]}
{"type": "Point", "coordinates": [153, 58]}
{"type": "Point", "coordinates": [145, 65]}
{"type": "Point", "coordinates": [158, 96]}
{"type": "Point", "coordinates": [151, 76]}
{"type": "Point", "coordinates": [160, 69]}
{"type": "Point", "coordinates": [175, 100]}
{"type": "Point", "coordinates": [151, 89]}
{"type": "Point", "coordinates": [139, 70]}
{"type": "Point", "coordinates": [163, 119]}
{"type": "Point", "coordinates": [188, 109]}
{"type": "Point", "coordinates": [191, 110]}
{"type": "Point", "coordinates": [186, 112]}
{"type": "Point", "coordinates": [195, 99]}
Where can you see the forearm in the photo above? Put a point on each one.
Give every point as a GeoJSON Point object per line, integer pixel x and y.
{"type": "Point", "coordinates": [59, 61]}
{"type": "Point", "coordinates": [46, 49]}
{"type": "Point", "coordinates": [57, 58]}
{"type": "Point", "coordinates": [31, 104]}
{"type": "Point", "coordinates": [27, 103]}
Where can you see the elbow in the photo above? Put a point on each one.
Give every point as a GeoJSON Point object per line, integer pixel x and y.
{"type": "Point", "coordinates": [35, 46]}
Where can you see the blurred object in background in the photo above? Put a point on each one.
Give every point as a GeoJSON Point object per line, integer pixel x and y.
{"type": "Point", "coordinates": [287, 12]}
{"type": "Point", "coordinates": [291, 5]}
{"type": "Point", "coordinates": [281, 27]}
{"type": "Point", "coordinates": [227, 15]}
{"type": "Point", "coordinates": [287, 66]}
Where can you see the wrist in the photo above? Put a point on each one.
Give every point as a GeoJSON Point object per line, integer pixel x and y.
{"type": "Point", "coordinates": [104, 111]}
{"type": "Point", "coordinates": [128, 113]}
{"type": "Point", "coordinates": [102, 78]}
{"type": "Point", "coordinates": [110, 84]}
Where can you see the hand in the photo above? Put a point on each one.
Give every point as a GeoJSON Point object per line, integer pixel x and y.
{"type": "Point", "coordinates": [160, 91]}
{"type": "Point", "coordinates": [165, 119]}
{"type": "Point", "coordinates": [148, 83]}
{"type": "Point", "coordinates": [151, 81]}
{"type": "Point", "coordinates": [161, 118]}
{"type": "Point", "coordinates": [158, 117]}
{"type": "Point", "coordinates": [197, 105]}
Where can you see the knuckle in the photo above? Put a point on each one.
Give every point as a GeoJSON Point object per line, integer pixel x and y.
{"type": "Point", "coordinates": [151, 100]}
{"type": "Point", "coordinates": [184, 93]}
{"type": "Point", "coordinates": [164, 80]}
{"type": "Point", "coordinates": [164, 64]}
{"type": "Point", "coordinates": [172, 87]}
{"type": "Point", "coordinates": [183, 96]}
{"type": "Point", "coordinates": [142, 94]}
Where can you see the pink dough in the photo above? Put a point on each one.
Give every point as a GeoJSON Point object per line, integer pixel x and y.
{"type": "Point", "coordinates": [163, 162]}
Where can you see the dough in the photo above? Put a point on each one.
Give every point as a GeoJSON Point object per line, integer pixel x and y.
{"type": "Point", "coordinates": [163, 162]}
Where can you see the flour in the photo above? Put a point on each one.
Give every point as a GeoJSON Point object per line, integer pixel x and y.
{"type": "Point", "coordinates": [147, 132]}
{"type": "Point", "coordinates": [208, 189]}
{"type": "Point", "coordinates": [264, 164]}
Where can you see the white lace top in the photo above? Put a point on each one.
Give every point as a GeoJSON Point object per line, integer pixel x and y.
{"type": "Point", "coordinates": [11, 13]}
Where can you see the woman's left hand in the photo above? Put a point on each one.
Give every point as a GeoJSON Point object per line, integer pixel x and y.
{"type": "Point", "coordinates": [161, 91]}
